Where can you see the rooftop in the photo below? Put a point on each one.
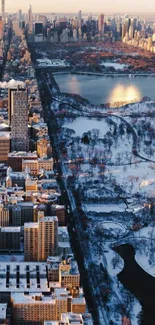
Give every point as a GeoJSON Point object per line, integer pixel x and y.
{"type": "Point", "coordinates": [72, 319]}
{"type": "Point", "coordinates": [49, 219]}
{"type": "Point", "coordinates": [34, 298]}
{"type": "Point", "coordinates": [79, 300]}
{"type": "Point", "coordinates": [31, 225]}
{"type": "Point", "coordinates": [3, 125]}
{"type": "Point", "coordinates": [5, 135]}
{"type": "Point", "coordinates": [74, 268]}
{"type": "Point", "coordinates": [22, 277]}
{"type": "Point", "coordinates": [18, 174]}
{"type": "Point", "coordinates": [26, 161]}
{"type": "Point", "coordinates": [63, 230]}
{"type": "Point", "coordinates": [22, 154]}
{"type": "Point", "coordinates": [51, 322]}
{"type": "Point", "coordinates": [10, 229]}
{"type": "Point", "coordinates": [45, 159]}
{"type": "Point", "coordinates": [58, 207]}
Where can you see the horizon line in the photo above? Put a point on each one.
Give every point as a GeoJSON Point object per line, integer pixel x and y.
{"type": "Point", "coordinates": [84, 12]}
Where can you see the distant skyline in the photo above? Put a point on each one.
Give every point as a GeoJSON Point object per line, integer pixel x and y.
{"type": "Point", "coordinates": [70, 6]}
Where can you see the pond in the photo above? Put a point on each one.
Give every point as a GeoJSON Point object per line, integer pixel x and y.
{"type": "Point", "coordinates": [138, 282]}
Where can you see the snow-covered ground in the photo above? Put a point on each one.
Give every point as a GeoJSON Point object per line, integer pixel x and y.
{"type": "Point", "coordinates": [11, 258]}
{"type": "Point", "coordinates": [144, 244]}
{"type": "Point", "coordinates": [82, 125]}
{"type": "Point", "coordinates": [51, 63]}
{"type": "Point", "coordinates": [136, 178]}
{"type": "Point", "coordinates": [137, 108]}
{"type": "Point", "coordinates": [109, 141]}
{"type": "Point", "coordinates": [105, 208]}
{"type": "Point", "coordinates": [115, 65]}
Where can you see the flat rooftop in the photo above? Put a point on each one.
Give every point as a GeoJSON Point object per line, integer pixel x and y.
{"type": "Point", "coordinates": [31, 225]}
{"type": "Point", "coordinates": [19, 277]}
{"type": "Point", "coordinates": [32, 161]}
{"type": "Point", "coordinates": [5, 135]}
{"type": "Point", "coordinates": [35, 298]}
{"type": "Point", "coordinates": [10, 229]}
{"type": "Point", "coordinates": [21, 154]}
{"type": "Point", "coordinates": [49, 219]}
{"type": "Point", "coordinates": [51, 322]}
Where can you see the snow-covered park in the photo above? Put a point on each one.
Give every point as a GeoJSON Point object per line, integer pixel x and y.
{"type": "Point", "coordinates": [109, 162]}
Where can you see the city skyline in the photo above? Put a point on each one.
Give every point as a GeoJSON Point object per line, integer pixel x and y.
{"type": "Point", "coordinates": [68, 7]}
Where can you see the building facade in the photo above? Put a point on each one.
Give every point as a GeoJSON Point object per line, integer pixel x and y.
{"type": "Point", "coordinates": [41, 238]}
{"type": "Point", "coordinates": [31, 241]}
{"type": "Point", "coordinates": [47, 237]}
{"type": "Point", "coordinates": [10, 238]}
{"type": "Point", "coordinates": [19, 120]}
{"type": "Point", "coordinates": [4, 216]}
{"type": "Point", "coordinates": [4, 146]}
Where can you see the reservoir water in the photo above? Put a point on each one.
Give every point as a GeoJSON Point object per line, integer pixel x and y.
{"type": "Point", "coordinates": [100, 89]}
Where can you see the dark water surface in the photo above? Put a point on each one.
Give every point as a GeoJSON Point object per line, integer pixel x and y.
{"type": "Point", "coordinates": [138, 282]}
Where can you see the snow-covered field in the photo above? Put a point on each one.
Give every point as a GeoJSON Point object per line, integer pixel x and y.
{"type": "Point", "coordinates": [105, 208]}
{"type": "Point", "coordinates": [115, 65]}
{"type": "Point", "coordinates": [136, 178]}
{"type": "Point", "coordinates": [82, 125]}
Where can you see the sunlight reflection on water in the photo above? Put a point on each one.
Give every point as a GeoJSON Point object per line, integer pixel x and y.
{"type": "Point", "coordinates": [123, 93]}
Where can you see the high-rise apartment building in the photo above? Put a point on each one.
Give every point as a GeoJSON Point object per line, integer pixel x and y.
{"type": "Point", "coordinates": [18, 117]}
{"type": "Point", "coordinates": [41, 238]}
{"type": "Point", "coordinates": [31, 241]}
{"type": "Point", "coordinates": [47, 237]}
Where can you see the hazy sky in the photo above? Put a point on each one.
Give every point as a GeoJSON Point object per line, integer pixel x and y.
{"type": "Point", "coordinates": [84, 5]}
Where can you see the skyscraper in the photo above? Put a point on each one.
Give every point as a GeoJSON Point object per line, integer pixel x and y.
{"type": "Point", "coordinates": [20, 18]}
{"type": "Point", "coordinates": [101, 25]}
{"type": "Point", "coordinates": [30, 19]}
{"type": "Point", "coordinates": [3, 8]}
{"type": "Point", "coordinates": [18, 116]}
{"type": "Point", "coordinates": [79, 18]}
